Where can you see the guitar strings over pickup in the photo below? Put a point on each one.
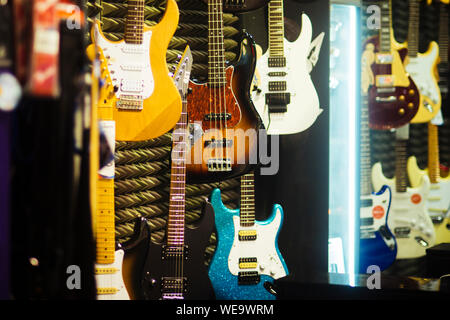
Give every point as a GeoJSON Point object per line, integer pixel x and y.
{"type": "Point", "coordinates": [130, 102]}
{"type": "Point", "coordinates": [174, 252]}
{"type": "Point", "coordinates": [248, 277]}
{"type": "Point", "coordinates": [276, 62]}
{"type": "Point", "coordinates": [248, 263]}
{"type": "Point", "coordinates": [222, 143]}
{"type": "Point", "coordinates": [384, 58]}
{"type": "Point", "coordinates": [219, 165]}
{"type": "Point", "coordinates": [217, 116]}
{"type": "Point", "coordinates": [173, 287]}
{"type": "Point", "coordinates": [277, 74]}
{"type": "Point", "coordinates": [277, 85]}
{"type": "Point", "coordinates": [247, 235]}
{"type": "Point", "coordinates": [366, 203]}
{"type": "Point", "coordinates": [366, 222]}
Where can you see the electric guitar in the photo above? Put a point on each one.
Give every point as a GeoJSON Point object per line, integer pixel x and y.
{"type": "Point", "coordinates": [393, 99]}
{"type": "Point", "coordinates": [422, 69]}
{"type": "Point", "coordinates": [247, 258]}
{"type": "Point", "coordinates": [408, 218]}
{"type": "Point", "coordinates": [286, 98]}
{"type": "Point", "coordinates": [146, 103]}
{"type": "Point", "coordinates": [239, 6]}
{"type": "Point", "coordinates": [177, 267]}
{"type": "Point", "coordinates": [438, 201]}
{"type": "Point", "coordinates": [443, 66]}
{"type": "Point", "coordinates": [377, 245]}
{"type": "Point", "coordinates": [222, 117]}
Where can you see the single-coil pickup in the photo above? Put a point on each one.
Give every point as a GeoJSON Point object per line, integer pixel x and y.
{"type": "Point", "coordinates": [132, 67]}
{"type": "Point", "coordinates": [248, 277]}
{"type": "Point", "coordinates": [106, 291]}
{"type": "Point", "coordinates": [174, 252]}
{"type": "Point", "coordinates": [106, 270]}
{"type": "Point", "coordinates": [248, 263]}
{"type": "Point", "coordinates": [276, 62]}
{"type": "Point", "coordinates": [222, 143]}
{"type": "Point", "coordinates": [173, 285]}
{"type": "Point", "coordinates": [217, 116]}
{"type": "Point", "coordinates": [277, 74]}
{"type": "Point", "coordinates": [133, 48]}
{"type": "Point", "coordinates": [219, 165]}
{"type": "Point", "coordinates": [130, 102]}
{"type": "Point", "coordinates": [277, 85]}
{"type": "Point", "coordinates": [247, 235]}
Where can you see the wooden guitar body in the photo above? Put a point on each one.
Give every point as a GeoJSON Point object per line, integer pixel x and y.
{"type": "Point", "coordinates": [160, 264]}
{"type": "Point", "coordinates": [206, 160]}
{"type": "Point", "coordinates": [397, 105]}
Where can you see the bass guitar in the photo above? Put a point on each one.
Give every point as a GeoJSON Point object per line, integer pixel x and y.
{"type": "Point", "coordinates": [408, 218]}
{"type": "Point", "coordinates": [438, 201]}
{"type": "Point", "coordinates": [394, 98]}
{"type": "Point", "coordinates": [286, 98]}
{"type": "Point", "coordinates": [377, 245]}
{"type": "Point", "coordinates": [146, 103]}
{"type": "Point", "coordinates": [247, 258]}
{"type": "Point", "coordinates": [222, 116]}
{"type": "Point", "coordinates": [177, 266]}
{"type": "Point", "coordinates": [422, 68]}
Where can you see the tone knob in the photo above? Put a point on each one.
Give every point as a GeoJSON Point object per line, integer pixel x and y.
{"type": "Point", "coordinates": [401, 111]}
{"type": "Point", "coordinates": [410, 105]}
{"type": "Point", "coordinates": [411, 92]}
{"type": "Point", "coordinates": [402, 98]}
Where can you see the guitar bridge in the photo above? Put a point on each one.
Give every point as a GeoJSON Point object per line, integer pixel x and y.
{"type": "Point", "coordinates": [219, 165]}
{"type": "Point", "coordinates": [130, 102]}
{"type": "Point", "coordinates": [173, 287]}
{"type": "Point", "coordinates": [248, 277]}
{"type": "Point", "coordinates": [278, 102]}
{"type": "Point", "coordinates": [175, 252]}
{"type": "Point", "coordinates": [222, 143]}
{"type": "Point", "coordinates": [217, 116]}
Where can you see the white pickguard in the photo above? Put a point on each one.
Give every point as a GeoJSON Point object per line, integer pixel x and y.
{"type": "Point", "coordinates": [113, 280]}
{"type": "Point", "coordinates": [128, 64]}
{"type": "Point", "coordinates": [408, 210]}
{"type": "Point", "coordinates": [420, 69]}
{"type": "Point", "coordinates": [304, 106]}
{"type": "Point", "coordinates": [263, 248]}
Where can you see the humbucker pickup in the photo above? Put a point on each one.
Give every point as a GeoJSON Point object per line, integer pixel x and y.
{"type": "Point", "coordinates": [247, 235]}
{"type": "Point", "coordinates": [130, 102]}
{"type": "Point", "coordinates": [217, 116]}
{"type": "Point", "coordinates": [219, 165]}
{"type": "Point", "coordinates": [174, 252]}
{"type": "Point", "coordinates": [222, 143]}
{"type": "Point", "coordinates": [276, 62]}
{"type": "Point", "coordinates": [384, 58]}
{"type": "Point", "coordinates": [277, 85]}
{"type": "Point", "coordinates": [173, 287]}
{"type": "Point", "coordinates": [363, 222]}
{"type": "Point", "coordinates": [248, 263]}
{"type": "Point", "coordinates": [366, 203]}
{"type": "Point", "coordinates": [248, 277]}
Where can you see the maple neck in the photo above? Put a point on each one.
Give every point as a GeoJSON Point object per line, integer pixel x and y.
{"type": "Point", "coordinates": [276, 28]}
{"type": "Point", "coordinates": [433, 153]}
{"type": "Point", "coordinates": [247, 210]}
{"type": "Point", "coordinates": [443, 33]}
{"type": "Point", "coordinates": [385, 30]}
{"type": "Point", "coordinates": [176, 219]}
{"type": "Point", "coordinates": [216, 51]}
{"type": "Point", "coordinates": [413, 28]}
{"type": "Point", "coordinates": [134, 26]}
{"type": "Point", "coordinates": [401, 179]}
{"type": "Point", "coordinates": [365, 162]}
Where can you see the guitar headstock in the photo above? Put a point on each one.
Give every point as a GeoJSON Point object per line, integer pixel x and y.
{"type": "Point", "coordinates": [183, 72]}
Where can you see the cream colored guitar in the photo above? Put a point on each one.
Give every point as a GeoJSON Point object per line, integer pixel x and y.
{"type": "Point", "coordinates": [438, 201]}
{"type": "Point", "coordinates": [408, 218]}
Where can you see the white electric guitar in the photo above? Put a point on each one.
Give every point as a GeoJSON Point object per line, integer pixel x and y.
{"type": "Point", "coordinates": [422, 68]}
{"type": "Point", "coordinates": [408, 218]}
{"type": "Point", "coordinates": [286, 98]}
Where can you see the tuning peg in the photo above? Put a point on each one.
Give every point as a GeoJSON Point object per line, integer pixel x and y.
{"type": "Point", "coordinates": [171, 74]}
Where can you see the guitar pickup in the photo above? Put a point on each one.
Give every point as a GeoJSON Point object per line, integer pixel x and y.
{"type": "Point", "coordinates": [222, 143]}
{"type": "Point", "coordinates": [366, 203]}
{"type": "Point", "coordinates": [172, 252]}
{"type": "Point", "coordinates": [402, 232]}
{"type": "Point", "coordinates": [127, 85]}
{"type": "Point", "coordinates": [217, 116]}
{"type": "Point", "coordinates": [130, 102]}
{"type": "Point", "coordinates": [248, 263]}
{"type": "Point", "coordinates": [247, 235]}
{"type": "Point", "coordinates": [173, 287]}
{"type": "Point", "coordinates": [386, 99]}
{"type": "Point", "coordinates": [276, 62]}
{"type": "Point", "coordinates": [363, 222]}
{"type": "Point", "coordinates": [384, 81]}
{"type": "Point", "coordinates": [384, 58]}
{"type": "Point", "coordinates": [277, 85]}
{"type": "Point", "coordinates": [277, 74]}
{"type": "Point", "coordinates": [248, 277]}
{"type": "Point", "coordinates": [219, 165]}
{"type": "Point", "coordinates": [132, 67]}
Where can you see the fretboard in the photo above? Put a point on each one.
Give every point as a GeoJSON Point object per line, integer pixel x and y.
{"type": "Point", "coordinates": [176, 219]}
{"type": "Point", "coordinates": [385, 30]}
{"type": "Point", "coordinates": [413, 28]}
{"type": "Point", "coordinates": [247, 210]}
{"type": "Point", "coordinates": [276, 28]}
{"type": "Point", "coordinates": [401, 179]}
{"type": "Point", "coordinates": [433, 153]}
{"type": "Point", "coordinates": [134, 26]}
{"type": "Point", "coordinates": [216, 51]}
{"type": "Point", "coordinates": [365, 162]}
{"type": "Point", "coordinates": [443, 33]}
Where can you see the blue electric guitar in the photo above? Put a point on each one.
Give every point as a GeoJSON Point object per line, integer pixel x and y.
{"type": "Point", "coordinates": [377, 245]}
{"type": "Point", "coordinates": [247, 258]}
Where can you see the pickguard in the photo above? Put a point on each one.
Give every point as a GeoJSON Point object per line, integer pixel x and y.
{"type": "Point", "coordinates": [109, 280]}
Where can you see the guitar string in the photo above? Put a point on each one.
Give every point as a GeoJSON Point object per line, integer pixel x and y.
{"type": "Point", "coordinates": [222, 83]}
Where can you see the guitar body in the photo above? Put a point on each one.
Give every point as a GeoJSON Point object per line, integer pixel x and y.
{"type": "Point", "coordinates": [141, 70]}
{"type": "Point", "coordinates": [224, 267]}
{"type": "Point", "coordinates": [438, 201]}
{"type": "Point", "coordinates": [304, 108]}
{"type": "Point", "coordinates": [243, 120]}
{"type": "Point", "coordinates": [422, 70]}
{"type": "Point", "coordinates": [198, 285]}
{"type": "Point", "coordinates": [408, 218]}
{"type": "Point", "coordinates": [398, 105]}
{"type": "Point", "coordinates": [377, 245]}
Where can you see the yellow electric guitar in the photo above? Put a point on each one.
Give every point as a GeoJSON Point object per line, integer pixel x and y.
{"type": "Point", "coordinates": [422, 67]}
{"type": "Point", "coordinates": [146, 103]}
{"type": "Point", "coordinates": [438, 200]}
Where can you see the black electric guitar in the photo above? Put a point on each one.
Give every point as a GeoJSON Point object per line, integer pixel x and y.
{"type": "Point", "coordinates": [177, 266]}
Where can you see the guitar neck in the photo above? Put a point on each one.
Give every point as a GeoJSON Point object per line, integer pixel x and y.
{"type": "Point", "coordinates": [276, 28]}
{"type": "Point", "coordinates": [216, 51]}
{"type": "Point", "coordinates": [433, 153]}
{"type": "Point", "coordinates": [413, 28]}
{"type": "Point", "coordinates": [401, 179]}
{"type": "Point", "coordinates": [443, 33]}
{"type": "Point", "coordinates": [176, 219]}
{"type": "Point", "coordinates": [385, 30]}
{"type": "Point", "coordinates": [247, 211]}
{"type": "Point", "coordinates": [134, 25]}
{"type": "Point", "coordinates": [365, 161]}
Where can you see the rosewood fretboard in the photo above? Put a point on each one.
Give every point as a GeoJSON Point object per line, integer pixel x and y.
{"type": "Point", "coordinates": [134, 26]}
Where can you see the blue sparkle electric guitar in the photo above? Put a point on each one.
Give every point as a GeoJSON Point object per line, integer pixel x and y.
{"type": "Point", "coordinates": [247, 258]}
